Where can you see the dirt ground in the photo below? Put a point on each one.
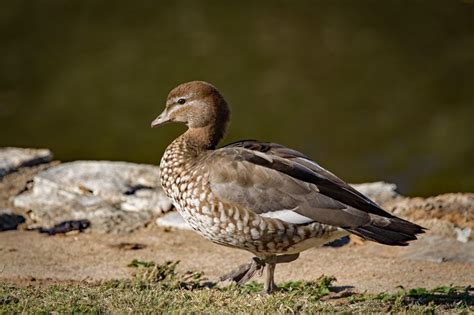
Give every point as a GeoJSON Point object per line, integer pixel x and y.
{"type": "Point", "coordinates": [30, 257]}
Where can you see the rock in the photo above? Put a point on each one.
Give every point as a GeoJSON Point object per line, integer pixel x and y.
{"type": "Point", "coordinates": [457, 209]}
{"type": "Point", "coordinates": [463, 235]}
{"type": "Point", "coordinates": [12, 159]}
{"type": "Point", "coordinates": [114, 196]}
{"type": "Point", "coordinates": [173, 220]}
{"type": "Point", "coordinates": [9, 220]}
{"type": "Point", "coordinates": [67, 227]}
{"type": "Point", "coordinates": [380, 192]}
{"type": "Point", "coordinates": [439, 249]}
{"type": "Point", "coordinates": [438, 227]}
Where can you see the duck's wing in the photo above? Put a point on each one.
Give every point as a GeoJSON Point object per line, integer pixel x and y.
{"type": "Point", "coordinates": [279, 182]}
{"type": "Point", "coordinates": [298, 165]}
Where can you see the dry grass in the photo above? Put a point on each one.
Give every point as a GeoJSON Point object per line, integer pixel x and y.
{"type": "Point", "coordinates": [160, 288]}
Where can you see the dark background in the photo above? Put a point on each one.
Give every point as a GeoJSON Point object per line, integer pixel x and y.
{"type": "Point", "coordinates": [372, 90]}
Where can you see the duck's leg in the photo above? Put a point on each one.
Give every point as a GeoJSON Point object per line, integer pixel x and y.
{"type": "Point", "coordinates": [271, 261]}
{"type": "Point", "coordinates": [269, 285]}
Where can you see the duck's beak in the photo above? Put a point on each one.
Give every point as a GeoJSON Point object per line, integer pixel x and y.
{"type": "Point", "coordinates": [160, 120]}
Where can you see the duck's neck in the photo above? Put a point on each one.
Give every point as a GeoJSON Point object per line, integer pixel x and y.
{"type": "Point", "coordinates": [204, 138]}
{"type": "Point", "coordinates": [207, 130]}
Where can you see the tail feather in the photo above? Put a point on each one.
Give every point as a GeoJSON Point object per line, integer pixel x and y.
{"type": "Point", "coordinates": [389, 231]}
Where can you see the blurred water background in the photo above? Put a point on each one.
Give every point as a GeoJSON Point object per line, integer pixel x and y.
{"type": "Point", "coordinates": [372, 90]}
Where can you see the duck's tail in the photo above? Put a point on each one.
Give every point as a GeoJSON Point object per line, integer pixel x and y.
{"type": "Point", "coordinates": [389, 231]}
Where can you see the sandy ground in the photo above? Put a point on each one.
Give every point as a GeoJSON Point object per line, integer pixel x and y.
{"type": "Point", "coordinates": [30, 257]}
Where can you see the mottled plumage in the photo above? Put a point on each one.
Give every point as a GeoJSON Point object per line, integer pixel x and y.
{"type": "Point", "coordinates": [262, 197]}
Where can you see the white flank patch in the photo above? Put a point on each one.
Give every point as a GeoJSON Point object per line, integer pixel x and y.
{"type": "Point", "coordinates": [288, 216]}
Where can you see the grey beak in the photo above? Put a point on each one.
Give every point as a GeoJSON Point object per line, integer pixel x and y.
{"type": "Point", "coordinates": [160, 120]}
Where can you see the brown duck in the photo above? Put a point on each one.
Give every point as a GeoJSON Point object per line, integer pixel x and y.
{"type": "Point", "coordinates": [262, 197]}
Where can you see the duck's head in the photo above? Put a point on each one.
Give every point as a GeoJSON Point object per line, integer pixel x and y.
{"type": "Point", "coordinates": [198, 104]}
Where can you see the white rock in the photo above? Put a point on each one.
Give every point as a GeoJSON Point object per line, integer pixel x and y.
{"type": "Point", "coordinates": [12, 159]}
{"type": "Point", "coordinates": [173, 220]}
{"type": "Point", "coordinates": [114, 196]}
{"type": "Point", "coordinates": [380, 192]}
{"type": "Point", "coordinates": [463, 235]}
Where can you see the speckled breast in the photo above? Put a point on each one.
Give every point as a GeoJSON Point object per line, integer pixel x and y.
{"type": "Point", "coordinates": [187, 186]}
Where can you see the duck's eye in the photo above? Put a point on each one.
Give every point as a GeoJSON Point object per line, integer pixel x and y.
{"type": "Point", "coordinates": [181, 101]}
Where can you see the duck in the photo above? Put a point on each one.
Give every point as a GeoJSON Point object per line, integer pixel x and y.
{"type": "Point", "coordinates": [262, 197]}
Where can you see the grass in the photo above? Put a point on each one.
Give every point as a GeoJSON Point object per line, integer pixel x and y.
{"type": "Point", "coordinates": [159, 288]}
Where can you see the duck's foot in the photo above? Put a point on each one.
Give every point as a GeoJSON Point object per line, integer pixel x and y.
{"type": "Point", "coordinates": [245, 272]}
{"type": "Point", "coordinates": [270, 290]}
